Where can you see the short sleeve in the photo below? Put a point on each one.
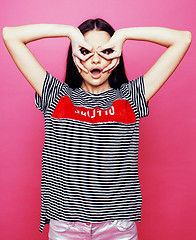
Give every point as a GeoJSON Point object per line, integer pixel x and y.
{"type": "Point", "coordinates": [137, 93]}
{"type": "Point", "coordinates": [50, 91]}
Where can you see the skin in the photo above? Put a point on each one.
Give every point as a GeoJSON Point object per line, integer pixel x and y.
{"type": "Point", "coordinates": [16, 40]}
{"type": "Point", "coordinates": [90, 84]}
{"type": "Point", "coordinates": [176, 43]}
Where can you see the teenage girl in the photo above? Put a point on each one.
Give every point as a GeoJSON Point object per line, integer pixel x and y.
{"type": "Point", "coordinates": [90, 184]}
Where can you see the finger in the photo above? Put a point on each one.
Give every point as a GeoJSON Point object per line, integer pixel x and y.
{"type": "Point", "coordinates": [86, 45]}
{"type": "Point", "coordinates": [79, 64]}
{"type": "Point", "coordinates": [112, 65]}
{"type": "Point", "coordinates": [74, 59]}
{"type": "Point", "coordinates": [87, 56]}
{"type": "Point", "coordinates": [105, 46]}
{"type": "Point", "coordinates": [81, 56]}
{"type": "Point", "coordinates": [108, 56]}
{"type": "Point", "coordinates": [116, 64]}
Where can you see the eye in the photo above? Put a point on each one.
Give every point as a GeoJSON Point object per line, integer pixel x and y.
{"type": "Point", "coordinates": [84, 51]}
{"type": "Point", "coordinates": [108, 51]}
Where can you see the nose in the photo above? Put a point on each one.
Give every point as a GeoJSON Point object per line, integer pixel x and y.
{"type": "Point", "coordinates": [95, 58]}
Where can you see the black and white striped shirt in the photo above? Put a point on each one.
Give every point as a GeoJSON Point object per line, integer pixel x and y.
{"type": "Point", "coordinates": [90, 154]}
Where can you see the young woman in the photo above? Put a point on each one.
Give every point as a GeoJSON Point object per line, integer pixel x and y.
{"type": "Point", "coordinates": [90, 184]}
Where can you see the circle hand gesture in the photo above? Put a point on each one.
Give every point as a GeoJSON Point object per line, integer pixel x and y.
{"type": "Point", "coordinates": [112, 51]}
{"type": "Point", "coordinates": [78, 42]}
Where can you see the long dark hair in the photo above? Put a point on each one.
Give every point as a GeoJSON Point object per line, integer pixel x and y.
{"type": "Point", "coordinates": [73, 77]}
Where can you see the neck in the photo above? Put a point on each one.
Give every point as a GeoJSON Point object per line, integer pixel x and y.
{"type": "Point", "coordinates": [95, 89]}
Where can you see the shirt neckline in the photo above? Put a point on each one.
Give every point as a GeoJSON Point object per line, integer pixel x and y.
{"type": "Point", "coordinates": [95, 94]}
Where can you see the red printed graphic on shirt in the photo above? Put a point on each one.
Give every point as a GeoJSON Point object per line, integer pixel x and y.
{"type": "Point", "coordinates": [120, 111]}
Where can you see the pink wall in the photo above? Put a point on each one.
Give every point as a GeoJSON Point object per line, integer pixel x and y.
{"type": "Point", "coordinates": [168, 136]}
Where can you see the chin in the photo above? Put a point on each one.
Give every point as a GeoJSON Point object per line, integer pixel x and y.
{"type": "Point", "coordinates": [95, 83]}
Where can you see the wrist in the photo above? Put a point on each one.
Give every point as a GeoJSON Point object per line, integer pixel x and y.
{"type": "Point", "coordinates": [121, 33]}
{"type": "Point", "coordinates": [72, 32]}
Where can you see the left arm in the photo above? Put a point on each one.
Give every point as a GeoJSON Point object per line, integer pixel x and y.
{"type": "Point", "coordinates": [176, 42]}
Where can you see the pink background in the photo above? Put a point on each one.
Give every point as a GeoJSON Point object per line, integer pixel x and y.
{"type": "Point", "coordinates": [167, 138]}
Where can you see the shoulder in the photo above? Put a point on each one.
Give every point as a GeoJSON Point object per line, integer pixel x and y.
{"type": "Point", "coordinates": [133, 86]}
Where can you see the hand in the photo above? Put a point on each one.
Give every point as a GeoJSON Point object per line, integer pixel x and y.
{"type": "Point", "coordinates": [112, 50]}
{"type": "Point", "coordinates": [114, 63]}
{"type": "Point", "coordinates": [78, 42]}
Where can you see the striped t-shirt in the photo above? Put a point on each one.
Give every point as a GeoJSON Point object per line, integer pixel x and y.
{"type": "Point", "coordinates": [90, 153]}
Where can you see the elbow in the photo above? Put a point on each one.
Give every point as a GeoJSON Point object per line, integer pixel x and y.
{"type": "Point", "coordinates": [6, 34]}
{"type": "Point", "coordinates": [190, 36]}
{"type": "Point", "coordinates": [187, 37]}
{"type": "Point", "coordinates": [183, 40]}
{"type": "Point", "coordinates": [11, 34]}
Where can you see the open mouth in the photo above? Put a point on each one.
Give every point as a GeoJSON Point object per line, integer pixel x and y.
{"type": "Point", "coordinates": [96, 73]}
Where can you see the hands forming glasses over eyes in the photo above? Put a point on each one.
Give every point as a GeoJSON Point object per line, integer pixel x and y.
{"type": "Point", "coordinates": [81, 51]}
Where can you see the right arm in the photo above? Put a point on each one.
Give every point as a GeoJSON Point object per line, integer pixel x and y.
{"type": "Point", "coordinates": [16, 38]}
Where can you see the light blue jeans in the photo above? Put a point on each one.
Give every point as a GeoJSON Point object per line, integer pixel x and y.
{"type": "Point", "coordinates": [109, 230]}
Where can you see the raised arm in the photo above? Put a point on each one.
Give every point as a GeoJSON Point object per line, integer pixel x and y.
{"type": "Point", "coordinates": [176, 42]}
{"type": "Point", "coordinates": [16, 38]}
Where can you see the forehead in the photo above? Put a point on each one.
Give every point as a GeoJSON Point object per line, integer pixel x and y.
{"type": "Point", "coordinates": [96, 38]}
